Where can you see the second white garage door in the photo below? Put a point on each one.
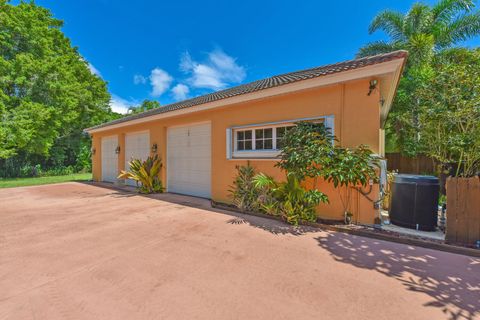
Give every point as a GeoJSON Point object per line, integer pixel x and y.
{"type": "Point", "coordinates": [137, 146]}
{"type": "Point", "coordinates": [189, 160]}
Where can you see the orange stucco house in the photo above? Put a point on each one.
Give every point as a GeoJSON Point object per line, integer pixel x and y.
{"type": "Point", "coordinates": [202, 140]}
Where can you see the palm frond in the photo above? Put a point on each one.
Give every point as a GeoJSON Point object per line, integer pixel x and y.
{"type": "Point", "coordinates": [419, 19]}
{"type": "Point", "coordinates": [446, 10]}
{"type": "Point", "coordinates": [377, 47]}
{"type": "Point", "coordinates": [463, 28]}
{"type": "Point", "coordinates": [391, 22]}
{"type": "Point", "coordinates": [262, 180]}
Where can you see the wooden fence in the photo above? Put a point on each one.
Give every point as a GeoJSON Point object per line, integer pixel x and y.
{"type": "Point", "coordinates": [418, 165]}
{"type": "Point", "coordinates": [463, 211]}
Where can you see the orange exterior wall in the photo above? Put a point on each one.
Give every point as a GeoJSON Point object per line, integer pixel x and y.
{"type": "Point", "coordinates": [357, 121]}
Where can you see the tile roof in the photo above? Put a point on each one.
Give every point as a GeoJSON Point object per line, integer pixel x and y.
{"type": "Point", "coordinates": [267, 83]}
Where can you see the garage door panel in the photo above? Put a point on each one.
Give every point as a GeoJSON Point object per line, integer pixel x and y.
{"type": "Point", "coordinates": [189, 160]}
{"type": "Point", "coordinates": [109, 159]}
{"type": "Point", "coordinates": [137, 146]}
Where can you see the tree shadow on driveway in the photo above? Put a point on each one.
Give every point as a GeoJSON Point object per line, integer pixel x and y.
{"type": "Point", "coordinates": [452, 281]}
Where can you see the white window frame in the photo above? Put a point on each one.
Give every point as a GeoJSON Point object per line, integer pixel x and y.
{"type": "Point", "coordinates": [233, 153]}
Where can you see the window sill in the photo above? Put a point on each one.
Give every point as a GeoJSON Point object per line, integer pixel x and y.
{"type": "Point", "coordinates": [271, 154]}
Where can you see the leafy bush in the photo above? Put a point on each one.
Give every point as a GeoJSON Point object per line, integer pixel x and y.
{"type": "Point", "coordinates": [307, 149]}
{"type": "Point", "coordinates": [244, 193]}
{"type": "Point", "coordinates": [145, 173]}
{"type": "Point", "coordinates": [351, 168]}
{"type": "Point", "coordinates": [84, 159]}
{"type": "Point", "coordinates": [30, 171]}
{"type": "Point", "coordinates": [288, 199]}
{"type": "Point", "coordinates": [59, 171]}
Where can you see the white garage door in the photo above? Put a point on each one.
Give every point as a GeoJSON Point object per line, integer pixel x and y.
{"type": "Point", "coordinates": [189, 160]}
{"type": "Point", "coordinates": [109, 159]}
{"type": "Point", "coordinates": [137, 146]}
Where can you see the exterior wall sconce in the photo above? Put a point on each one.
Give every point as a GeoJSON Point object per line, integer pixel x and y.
{"type": "Point", "coordinates": [117, 150]}
{"type": "Point", "coordinates": [154, 148]}
{"type": "Point", "coordinates": [373, 86]}
{"type": "Point", "coordinates": [93, 150]}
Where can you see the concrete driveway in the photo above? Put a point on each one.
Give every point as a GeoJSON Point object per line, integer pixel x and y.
{"type": "Point", "coordinates": [79, 251]}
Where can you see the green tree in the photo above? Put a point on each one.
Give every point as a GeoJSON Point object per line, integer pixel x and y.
{"type": "Point", "coordinates": [449, 113]}
{"type": "Point", "coordinates": [424, 31]}
{"type": "Point", "coordinates": [47, 93]}
{"type": "Point", "coordinates": [144, 106]}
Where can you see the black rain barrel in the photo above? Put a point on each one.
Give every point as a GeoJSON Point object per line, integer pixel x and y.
{"type": "Point", "coordinates": [414, 201]}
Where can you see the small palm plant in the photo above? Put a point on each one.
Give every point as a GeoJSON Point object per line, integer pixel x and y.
{"type": "Point", "coordinates": [288, 199]}
{"type": "Point", "coordinates": [145, 173]}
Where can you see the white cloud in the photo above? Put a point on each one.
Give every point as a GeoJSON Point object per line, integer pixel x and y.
{"type": "Point", "coordinates": [121, 105]}
{"type": "Point", "coordinates": [217, 72]}
{"type": "Point", "coordinates": [180, 91]}
{"type": "Point", "coordinates": [94, 70]}
{"type": "Point", "coordinates": [139, 79]}
{"type": "Point", "coordinates": [160, 81]}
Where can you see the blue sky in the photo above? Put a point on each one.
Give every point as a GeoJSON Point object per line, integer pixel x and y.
{"type": "Point", "coordinates": [171, 50]}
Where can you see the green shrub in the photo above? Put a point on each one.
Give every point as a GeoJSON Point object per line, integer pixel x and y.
{"type": "Point", "coordinates": [84, 159]}
{"type": "Point", "coordinates": [59, 171]}
{"type": "Point", "coordinates": [145, 173]}
{"type": "Point", "coordinates": [288, 199]}
{"type": "Point", "coordinates": [244, 193]}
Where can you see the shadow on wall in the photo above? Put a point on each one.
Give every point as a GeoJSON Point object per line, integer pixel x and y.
{"type": "Point", "coordinates": [452, 281]}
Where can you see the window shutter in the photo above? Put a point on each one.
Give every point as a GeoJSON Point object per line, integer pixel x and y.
{"type": "Point", "coordinates": [229, 143]}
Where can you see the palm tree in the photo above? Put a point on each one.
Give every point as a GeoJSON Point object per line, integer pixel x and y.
{"type": "Point", "coordinates": [424, 30]}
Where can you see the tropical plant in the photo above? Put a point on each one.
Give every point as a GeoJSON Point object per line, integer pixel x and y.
{"type": "Point", "coordinates": [306, 149]}
{"type": "Point", "coordinates": [309, 151]}
{"type": "Point", "coordinates": [145, 173]}
{"type": "Point", "coordinates": [349, 169]}
{"type": "Point", "coordinates": [243, 191]}
{"type": "Point", "coordinates": [288, 199]}
{"type": "Point", "coordinates": [424, 31]}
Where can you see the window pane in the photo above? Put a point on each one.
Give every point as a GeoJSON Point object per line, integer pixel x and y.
{"type": "Point", "coordinates": [240, 145]}
{"type": "Point", "coordinates": [268, 133]}
{"type": "Point", "coordinates": [248, 145]}
{"type": "Point", "coordinates": [279, 144]}
{"type": "Point", "coordinates": [248, 134]}
{"type": "Point", "coordinates": [280, 132]}
{"type": "Point", "coordinates": [240, 135]}
{"type": "Point", "coordinates": [268, 144]}
{"type": "Point", "coordinates": [259, 134]}
{"type": "Point", "coordinates": [258, 144]}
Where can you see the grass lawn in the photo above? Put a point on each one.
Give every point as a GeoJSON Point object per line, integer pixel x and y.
{"type": "Point", "coordinates": [21, 182]}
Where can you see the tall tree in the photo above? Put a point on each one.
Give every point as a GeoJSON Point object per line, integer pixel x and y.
{"type": "Point", "coordinates": [47, 93]}
{"type": "Point", "coordinates": [424, 31]}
